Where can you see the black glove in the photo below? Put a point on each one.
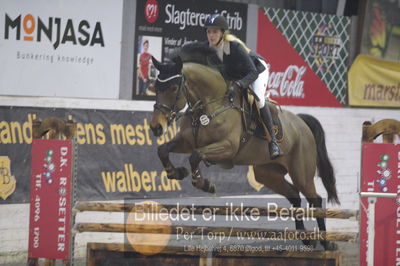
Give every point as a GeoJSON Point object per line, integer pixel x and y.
{"type": "Point", "coordinates": [234, 86]}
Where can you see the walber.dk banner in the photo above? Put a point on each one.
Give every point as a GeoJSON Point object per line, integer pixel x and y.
{"type": "Point", "coordinates": [374, 82]}
{"type": "Point", "coordinates": [307, 53]}
{"type": "Point", "coordinates": [116, 158]}
{"type": "Point", "coordinates": [167, 25]}
{"type": "Point", "coordinates": [60, 48]}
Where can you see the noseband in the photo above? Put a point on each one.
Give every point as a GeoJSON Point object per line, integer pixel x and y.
{"type": "Point", "coordinates": [170, 111]}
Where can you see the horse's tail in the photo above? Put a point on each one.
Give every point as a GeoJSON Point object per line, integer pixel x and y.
{"type": "Point", "coordinates": [325, 169]}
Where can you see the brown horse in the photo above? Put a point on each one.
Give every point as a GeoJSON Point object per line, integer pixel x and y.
{"type": "Point", "coordinates": [211, 130]}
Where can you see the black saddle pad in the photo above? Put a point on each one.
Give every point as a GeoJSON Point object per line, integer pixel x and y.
{"type": "Point", "coordinates": [254, 122]}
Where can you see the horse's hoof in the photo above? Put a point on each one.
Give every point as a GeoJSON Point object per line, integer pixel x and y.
{"type": "Point", "coordinates": [177, 173]}
{"type": "Point", "coordinates": [203, 184]}
{"type": "Point", "coordinates": [197, 183]}
{"type": "Point", "coordinates": [182, 172]}
{"type": "Point", "coordinates": [328, 245]}
{"type": "Point", "coordinates": [171, 175]}
{"type": "Point", "coordinates": [208, 186]}
{"type": "Point", "coordinates": [310, 243]}
{"type": "Point", "coordinates": [212, 189]}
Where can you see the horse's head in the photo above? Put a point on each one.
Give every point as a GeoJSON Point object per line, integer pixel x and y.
{"type": "Point", "coordinates": [170, 98]}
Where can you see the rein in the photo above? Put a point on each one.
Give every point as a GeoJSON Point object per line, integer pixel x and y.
{"type": "Point", "coordinates": [200, 105]}
{"type": "Point", "coordinates": [204, 119]}
{"type": "Point", "coordinates": [170, 112]}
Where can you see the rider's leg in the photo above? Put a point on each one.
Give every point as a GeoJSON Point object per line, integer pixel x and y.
{"type": "Point", "coordinates": [274, 149]}
{"type": "Point", "coordinates": [259, 86]}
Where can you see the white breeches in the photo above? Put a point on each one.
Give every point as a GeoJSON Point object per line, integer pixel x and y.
{"type": "Point", "coordinates": [259, 86]}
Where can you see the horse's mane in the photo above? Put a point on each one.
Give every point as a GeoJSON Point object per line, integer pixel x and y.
{"type": "Point", "coordinates": [197, 52]}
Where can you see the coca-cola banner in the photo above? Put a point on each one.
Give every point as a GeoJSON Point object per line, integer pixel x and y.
{"type": "Point", "coordinates": [307, 53]}
{"type": "Point", "coordinates": [163, 26]}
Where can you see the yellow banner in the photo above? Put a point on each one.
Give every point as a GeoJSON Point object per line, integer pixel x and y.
{"type": "Point", "coordinates": [374, 82]}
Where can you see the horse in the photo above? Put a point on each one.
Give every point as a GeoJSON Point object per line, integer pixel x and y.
{"type": "Point", "coordinates": [212, 129]}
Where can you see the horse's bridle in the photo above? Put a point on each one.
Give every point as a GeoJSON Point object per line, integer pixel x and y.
{"type": "Point", "coordinates": [170, 112]}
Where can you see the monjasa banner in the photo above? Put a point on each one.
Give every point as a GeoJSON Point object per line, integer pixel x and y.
{"type": "Point", "coordinates": [58, 48]}
{"type": "Point", "coordinates": [163, 26]}
{"type": "Point", "coordinates": [116, 158]}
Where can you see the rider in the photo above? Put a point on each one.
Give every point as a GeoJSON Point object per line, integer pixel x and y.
{"type": "Point", "coordinates": [244, 66]}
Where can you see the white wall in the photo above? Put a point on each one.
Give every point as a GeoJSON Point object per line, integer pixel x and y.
{"type": "Point", "coordinates": [343, 134]}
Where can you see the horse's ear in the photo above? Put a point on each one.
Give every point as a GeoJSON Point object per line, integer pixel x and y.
{"type": "Point", "coordinates": [156, 63]}
{"type": "Point", "coordinates": [178, 64]}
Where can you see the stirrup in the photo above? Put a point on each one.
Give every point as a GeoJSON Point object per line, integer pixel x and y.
{"type": "Point", "coordinates": [274, 150]}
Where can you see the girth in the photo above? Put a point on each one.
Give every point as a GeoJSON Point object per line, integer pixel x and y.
{"type": "Point", "coordinates": [200, 117]}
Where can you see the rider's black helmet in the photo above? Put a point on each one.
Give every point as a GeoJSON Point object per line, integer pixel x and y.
{"type": "Point", "coordinates": [216, 21]}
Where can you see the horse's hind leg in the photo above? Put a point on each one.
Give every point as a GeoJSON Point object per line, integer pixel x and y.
{"type": "Point", "coordinates": [213, 152]}
{"type": "Point", "coordinates": [273, 177]}
{"type": "Point", "coordinates": [315, 200]}
{"type": "Point", "coordinates": [178, 145]}
{"type": "Point", "coordinates": [303, 179]}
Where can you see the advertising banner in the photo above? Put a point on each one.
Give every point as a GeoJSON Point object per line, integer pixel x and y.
{"type": "Point", "coordinates": [374, 82]}
{"type": "Point", "coordinates": [60, 48]}
{"type": "Point", "coordinates": [380, 168]}
{"type": "Point", "coordinates": [50, 204]}
{"type": "Point", "coordinates": [164, 26]}
{"type": "Point", "coordinates": [307, 53]}
{"type": "Point", "coordinates": [381, 29]}
{"type": "Point", "coordinates": [116, 157]}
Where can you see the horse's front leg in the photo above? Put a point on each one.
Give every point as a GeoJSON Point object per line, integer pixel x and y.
{"type": "Point", "coordinates": [177, 145]}
{"type": "Point", "coordinates": [214, 152]}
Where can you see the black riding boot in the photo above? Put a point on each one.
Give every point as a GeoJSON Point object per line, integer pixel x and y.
{"type": "Point", "coordinates": [274, 149]}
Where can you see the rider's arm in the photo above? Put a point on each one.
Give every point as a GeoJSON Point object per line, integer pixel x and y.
{"type": "Point", "coordinates": [245, 63]}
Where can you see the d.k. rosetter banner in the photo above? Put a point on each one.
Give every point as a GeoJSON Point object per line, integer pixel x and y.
{"type": "Point", "coordinates": [381, 173]}
{"type": "Point", "coordinates": [51, 196]}
{"type": "Point", "coordinates": [307, 53]}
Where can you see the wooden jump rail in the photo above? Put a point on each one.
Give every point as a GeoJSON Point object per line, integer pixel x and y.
{"type": "Point", "coordinates": [223, 210]}
{"type": "Point", "coordinates": [273, 234]}
{"type": "Point", "coordinates": [220, 256]}
{"type": "Point", "coordinates": [56, 128]}
{"type": "Point", "coordinates": [219, 210]}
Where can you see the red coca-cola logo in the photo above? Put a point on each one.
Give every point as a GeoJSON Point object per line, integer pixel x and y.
{"type": "Point", "coordinates": [151, 11]}
{"type": "Point", "coordinates": [289, 83]}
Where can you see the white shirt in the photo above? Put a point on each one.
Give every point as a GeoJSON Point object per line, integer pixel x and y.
{"type": "Point", "coordinates": [223, 48]}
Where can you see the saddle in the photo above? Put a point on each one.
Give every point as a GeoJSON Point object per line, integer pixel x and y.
{"type": "Point", "coordinates": [252, 121]}
{"type": "Point", "coordinates": [251, 117]}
